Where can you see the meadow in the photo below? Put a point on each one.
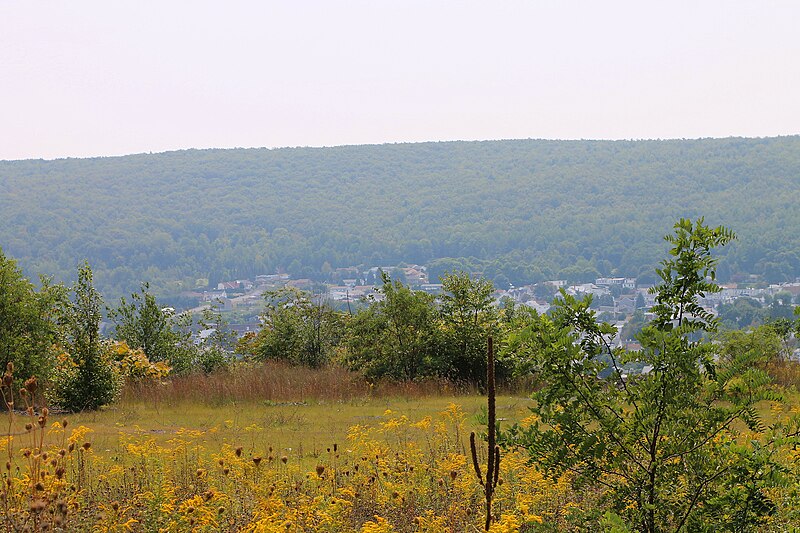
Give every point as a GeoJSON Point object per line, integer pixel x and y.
{"type": "Point", "coordinates": [279, 448]}
{"type": "Point", "coordinates": [319, 451]}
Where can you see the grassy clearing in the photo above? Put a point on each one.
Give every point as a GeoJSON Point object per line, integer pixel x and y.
{"type": "Point", "coordinates": [301, 429]}
{"type": "Point", "coordinates": [370, 464]}
{"type": "Point", "coordinates": [207, 454]}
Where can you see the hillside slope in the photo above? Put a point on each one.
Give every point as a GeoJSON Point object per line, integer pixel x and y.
{"type": "Point", "coordinates": [523, 210]}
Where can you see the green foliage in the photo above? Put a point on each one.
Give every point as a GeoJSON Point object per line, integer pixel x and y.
{"type": "Point", "coordinates": [28, 321]}
{"type": "Point", "coordinates": [511, 211]}
{"type": "Point", "coordinates": [143, 324]}
{"type": "Point", "coordinates": [87, 378]}
{"type": "Point", "coordinates": [396, 336]}
{"type": "Point", "coordinates": [215, 352]}
{"type": "Point", "coordinates": [468, 319]}
{"type": "Point", "coordinates": [663, 445]}
{"type": "Point", "coordinates": [298, 327]}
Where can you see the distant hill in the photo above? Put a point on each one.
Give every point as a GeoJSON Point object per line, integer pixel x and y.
{"type": "Point", "coordinates": [519, 211]}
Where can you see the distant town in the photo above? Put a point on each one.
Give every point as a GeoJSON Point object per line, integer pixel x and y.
{"type": "Point", "coordinates": [617, 300]}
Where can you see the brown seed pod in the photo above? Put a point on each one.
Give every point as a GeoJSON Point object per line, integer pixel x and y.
{"type": "Point", "coordinates": [31, 385]}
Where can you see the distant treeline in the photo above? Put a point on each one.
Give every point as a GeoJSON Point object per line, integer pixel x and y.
{"type": "Point", "coordinates": [515, 211]}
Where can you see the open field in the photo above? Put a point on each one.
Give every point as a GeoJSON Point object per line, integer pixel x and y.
{"type": "Point", "coordinates": [299, 429]}
{"type": "Point", "coordinates": [370, 464]}
{"type": "Point", "coordinates": [334, 456]}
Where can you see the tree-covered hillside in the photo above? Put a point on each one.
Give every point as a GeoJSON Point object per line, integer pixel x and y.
{"type": "Point", "coordinates": [521, 211]}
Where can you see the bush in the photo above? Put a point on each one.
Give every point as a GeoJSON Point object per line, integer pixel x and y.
{"type": "Point", "coordinates": [86, 377]}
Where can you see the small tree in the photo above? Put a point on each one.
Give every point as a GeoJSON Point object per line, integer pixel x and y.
{"type": "Point", "coordinates": [660, 445]}
{"type": "Point", "coordinates": [298, 327]}
{"type": "Point", "coordinates": [86, 379]}
{"type": "Point", "coordinates": [143, 324]}
{"type": "Point", "coordinates": [469, 318]}
{"type": "Point", "coordinates": [29, 321]}
{"type": "Point", "coordinates": [215, 352]}
{"type": "Point", "coordinates": [397, 336]}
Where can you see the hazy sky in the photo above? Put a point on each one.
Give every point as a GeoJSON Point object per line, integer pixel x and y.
{"type": "Point", "coordinates": [84, 78]}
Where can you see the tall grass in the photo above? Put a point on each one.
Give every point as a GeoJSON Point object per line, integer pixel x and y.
{"type": "Point", "coordinates": [281, 382]}
{"type": "Point", "coordinates": [785, 373]}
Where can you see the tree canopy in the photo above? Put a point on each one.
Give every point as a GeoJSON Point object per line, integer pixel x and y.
{"type": "Point", "coordinates": [515, 211]}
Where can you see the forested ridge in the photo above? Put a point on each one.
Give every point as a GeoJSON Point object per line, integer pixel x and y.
{"type": "Point", "coordinates": [519, 210]}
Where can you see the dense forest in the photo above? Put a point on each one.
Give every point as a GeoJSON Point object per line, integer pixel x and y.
{"type": "Point", "coordinates": [517, 211]}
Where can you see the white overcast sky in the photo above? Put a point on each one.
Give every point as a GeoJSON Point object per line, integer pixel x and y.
{"type": "Point", "coordinates": [85, 78]}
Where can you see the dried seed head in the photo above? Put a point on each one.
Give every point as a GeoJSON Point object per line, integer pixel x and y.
{"type": "Point", "coordinates": [86, 445]}
{"type": "Point", "coordinates": [64, 423]}
{"type": "Point", "coordinates": [31, 384]}
{"type": "Point", "coordinates": [45, 412]}
{"type": "Point", "coordinates": [238, 451]}
{"type": "Point", "coordinates": [284, 459]}
{"type": "Point", "coordinates": [39, 486]}
{"type": "Point", "coordinates": [28, 426]}
{"type": "Point", "coordinates": [71, 446]}
{"type": "Point", "coordinates": [320, 470]}
{"type": "Point", "coordinates": [257, 460]}
{"type": "Point", "coordinates": [226, 471]}
{"type": "Point", "coordinates": [115, 506]}
{"type": "Point", "coordinates": [221, 510]}
{"type": "Point", "coordinates": [453, 474]}
{"type": "Point", "coordinates": [38, 505]}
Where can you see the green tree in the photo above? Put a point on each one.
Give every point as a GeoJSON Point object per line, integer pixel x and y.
{"type": "Point", "coordinates": [397, 335]}
{"type": "Point", "coordinates": [28, 321]}
{"type": "Point", "coordinates": [298, 327]}
{"type": "Point", "coordinates": [87, 379]}
{"type": "Point", "coordinates": [469, 318]}
{"type": "Point", "coordinates": [162, 336]}
{"type": "Point", "coordinates": [215, 351]}
{"type": "Point", "coordinates": [741, 313]}
{"type": "Point", "coordinates": [661, 445]}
